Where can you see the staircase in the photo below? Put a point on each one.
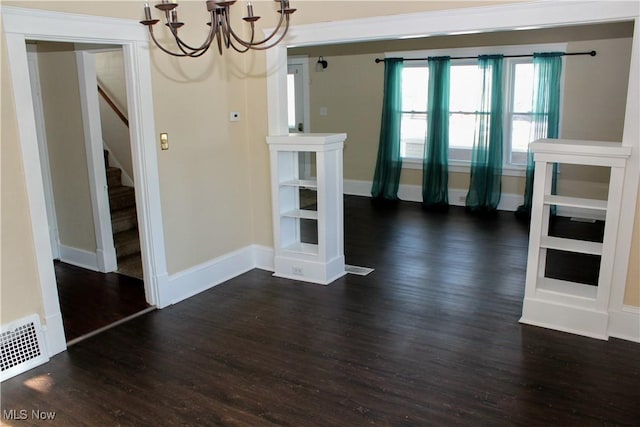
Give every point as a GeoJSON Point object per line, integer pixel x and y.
{"type": "Point", "coordinates": [124, 222]}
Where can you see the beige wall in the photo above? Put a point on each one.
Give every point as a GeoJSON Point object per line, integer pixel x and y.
{"type": "Point", "coordinates": [110, 72]}
{"type": "Point", "coordinates": [19, 290]}
{"type": "Point", "coordinates": [594, 108]}
{"type": "Point", "coordinates": [350, 90]}
{"type": "Point", "coordinates": [632, 294]}
{"type": "Point", "coordinates": [214, 180]}
{"type": "Point", "coordinates": [66, 145]}
{"type": "Point", "coordinates": [204, 178]}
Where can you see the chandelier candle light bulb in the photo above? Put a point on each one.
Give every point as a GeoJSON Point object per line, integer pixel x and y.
{"type": "Point", "coordinates": [220, 28]}
{"type": "Point", "coordinates": [147, 12]}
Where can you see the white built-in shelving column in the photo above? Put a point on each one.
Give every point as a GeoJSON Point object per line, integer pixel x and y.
{"type": "Point", "coordinates": [558, 304]}
{"type": "Point", "coordinates": [320, 261]}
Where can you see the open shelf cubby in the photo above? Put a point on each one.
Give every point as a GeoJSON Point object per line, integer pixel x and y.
{"type": "Point", "coordinates": [306, 185]}
{"type": "Point", "coordinates": [575, 300]}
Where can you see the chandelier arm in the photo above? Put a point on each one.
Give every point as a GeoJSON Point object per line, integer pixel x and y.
{"type": "Point", "coordinates": [195, 50]}
{"type": "Point", "coordinates": [219, 36]}
{"type": "Point", "coordinates": [244, 48]}
{"type": "Point", "coordinates": [226, 27]}
{"type": "Point", "coordinates": [230, 36]}
{"type": "Point", "coordinates": [253, 44]}
{"type": "Point", "coordinates": [239, 50]}
{"type": "Point", "coordinates": [155, 41]}
{"type": "Point", "coordinates": [178, 41]}
{"type": "Point", "coordinates": [193, 54]}
{"type": "Point", "coordinates": [278, 40]}
{"type": "Point", "coordinates": [185, 49]}
{"type": "Point", "coordinates": [197, 54]}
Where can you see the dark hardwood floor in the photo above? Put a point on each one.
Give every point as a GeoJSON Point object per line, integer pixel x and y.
{"type": "Point", "coordinates": [90, 300]}
{"type": "Point", "coordinates": [431, 337]}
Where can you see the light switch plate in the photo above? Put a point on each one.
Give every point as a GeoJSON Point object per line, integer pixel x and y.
{"type": "Point", "coordinates": [164, 141]}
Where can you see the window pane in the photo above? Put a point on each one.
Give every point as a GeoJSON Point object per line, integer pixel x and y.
{"type": "Point", "coordinates": [415, 82]}
{"type": "Point", "coordinates": [523, 88]}
{"type": "Point", "coordinates": [521, 132]}
{"type": "Point", "coordinates": [466, 88]}
{"type": "Point", "coordinates": [412, 134]}
{"type": "Point", "coordinates": [461, 130]}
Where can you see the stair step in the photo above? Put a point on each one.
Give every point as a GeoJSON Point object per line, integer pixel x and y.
{"type": "Point", "coordinates": [114, 176]}
{"type": "Point", "coordinates": [131, 265]}
{"type": "Point", "coordinates": [126, 243]}
{"type": "Point", "coordinates": [121, 197]}
{"type": "Point", "coordinates": [124, 219]}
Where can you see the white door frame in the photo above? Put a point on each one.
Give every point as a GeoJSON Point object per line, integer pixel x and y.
{"type": "Point", "coordinates": [43, 150]}
{"type": "Point", "coordinates": [20, 25]}
{"type": "Point", "coordinates": [90, 105]}
{"type": "Point", "coordinates": [623, 320]}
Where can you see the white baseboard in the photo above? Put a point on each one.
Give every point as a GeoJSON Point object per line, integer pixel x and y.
{"type": "Point", "coordinates": [413, 193]}
{"type": "Point", "coordinates": [625, 324]}
{"type": "Point", "coordinates": [53, 331]}
{"type": "Point", "coordinates": [194, 280]}
{"type": "Point", "coordinates": [79, 258]}
{"type": "Point", "coordinates": [263, 257]}
{"type": "Point", "coordinates": [565, 318]}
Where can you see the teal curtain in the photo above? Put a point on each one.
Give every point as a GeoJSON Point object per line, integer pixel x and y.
{"type": "Point", "coordinates": [546, 114]}
{"type": "Point", "coordinates": [389, 164]}
{"type": "Point", "coordinates": [485, 184]}
{"type": "Point", "coordinates": [435, 166]}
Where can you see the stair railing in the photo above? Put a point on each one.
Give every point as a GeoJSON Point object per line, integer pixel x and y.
{"type": "Point", "coordinates": [113, 106]}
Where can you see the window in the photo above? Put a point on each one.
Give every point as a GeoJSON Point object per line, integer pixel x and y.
{"type": "Point", "coordinates": [413, 131]}
{"type": "Point", "coordinates": [520, 115]}
{"type": "Point", "coordinates": [465, 93]}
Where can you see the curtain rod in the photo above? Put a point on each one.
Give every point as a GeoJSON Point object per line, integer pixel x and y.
{"type": "Point", "coordinates": [591, 53]}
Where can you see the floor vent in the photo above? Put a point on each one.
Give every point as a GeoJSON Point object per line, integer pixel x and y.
{"type": "Point", "coordinates": [360, 271]}
{"type": "Point", "coordinates": [21, 346]}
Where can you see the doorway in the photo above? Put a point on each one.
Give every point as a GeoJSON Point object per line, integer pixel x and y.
{"type": "Point", "coordinates": [480, 20]}
{"type": "Point", "coordinates": [92, 222]}
{"type": "Point", "coordinates": [298, 109]}
{"type": "Point", "coordinates": [22, 25]}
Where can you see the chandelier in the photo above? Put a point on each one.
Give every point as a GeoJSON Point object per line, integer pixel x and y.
{"type": "Point", "coordinates": [220, 27]}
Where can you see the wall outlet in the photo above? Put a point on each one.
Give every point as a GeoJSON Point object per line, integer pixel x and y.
{"type": "Point", "coordinates": [297, 271]}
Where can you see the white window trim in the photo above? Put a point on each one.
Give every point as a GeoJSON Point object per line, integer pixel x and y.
{"type": "Point", "coordinates": [459, 166]}
{"type": "Point", "coordinates": [508, 168]}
